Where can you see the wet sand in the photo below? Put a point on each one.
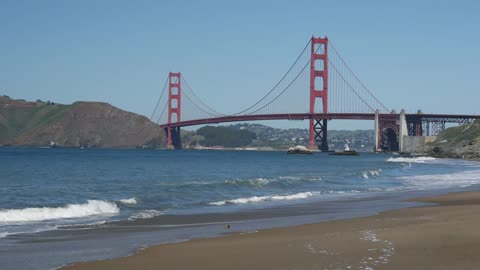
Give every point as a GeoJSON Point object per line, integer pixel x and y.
{"type": "Point", "coordinates": [443, 236]}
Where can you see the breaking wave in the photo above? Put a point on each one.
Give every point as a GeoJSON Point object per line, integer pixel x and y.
{"type": "Point", "coordinates": [411, 159]}
{"type": "Point", "coordinates": [35, 214]}
{"type": "Point", "coordinates": [302, 195]}
{"type": "Point", "coordinates": [371, 173]}
{"type": "Point", "coordinates": [130, 201]}
{"type": "Point", "coordinates": [259, 182]}
{"type": "Point", "coordinates": [146, 214]}
{"type": "Point", "coordinates": [439, 181]}
{"type": "Point", "coordinates": [281, 181]}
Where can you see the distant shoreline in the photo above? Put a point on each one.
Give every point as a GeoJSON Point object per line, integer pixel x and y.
{"type": "Point", "coordinates": [262, 149]}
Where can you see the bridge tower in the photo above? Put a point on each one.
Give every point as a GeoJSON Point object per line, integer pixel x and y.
{"type": "Point", "coordinates": [174, 110]}
{"type": "Point", "coordinates": [318, 74]}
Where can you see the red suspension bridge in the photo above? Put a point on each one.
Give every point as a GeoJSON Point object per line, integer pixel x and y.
{"type": "Point", "coordinates": [319, 86]}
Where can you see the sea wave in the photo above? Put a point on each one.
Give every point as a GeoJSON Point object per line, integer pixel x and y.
{"type": "Point", "coordinates": [368, 174]}
{"type": "Point", "coordinates": [276, 181]}
{"type": "Point", "coordinates": [9, 230]}
{"type": "Point", "coordinates": [439, 181]}
{"type": "Point", "coordinates": [35, 214]}
{"type": "Point", "coordinates": [258, 182]}
{"type": "Point", "coordinates": [146, 214]}
{"type": "Point", "coordinates": [130, 201]}
{"type": "Point", "coordinates": [411, 159]}
{"type": "Point", "coordinates": [302, 195]}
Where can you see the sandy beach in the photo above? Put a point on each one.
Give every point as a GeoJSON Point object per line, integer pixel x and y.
{"type": "Point", "coordinates": [442, 236]}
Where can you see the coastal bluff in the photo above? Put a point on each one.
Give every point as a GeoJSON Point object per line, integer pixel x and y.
{"type": "Point", "coordinates": [81, 124]}
{"type": "Point", "coordinates": [457, 142]}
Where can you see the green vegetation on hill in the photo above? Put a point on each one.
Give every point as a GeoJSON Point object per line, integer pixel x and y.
{"type": "Point", "coordinates": [19, 117]}
{"type": "Point", "coordinates": [261, 136]}
{"type": "Point", "coordinates": [462, 141]}
{"type": "Point", "coordinates": [86, 124]}
{"type": "Point", "coordinates": [461, 134]}
{"type": "Point", "coordinates": [224, 136]}
{"type": "Point", "coordinates": [360, 140]}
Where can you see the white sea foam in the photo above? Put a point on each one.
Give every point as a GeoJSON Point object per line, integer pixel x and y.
{"type": "Point", "coordinates": [373, 173]}
{"type": "Point", "coordinates": [411, 159]}
{"type": "Point", "coordinates": [302, 195]}
{"type": "Point", "coordinates": [380, 254]}
{"type": "Point", "coordinates": [438, 181]}
{"type": "Point", "coordinates": [146, 214]}
{"type": "Point", "coordinates": [14, 230]}
{"type": "Point", "coordinates": [369, 236]}
{"type": "Point", "coordinates": [35, 214]}
{"type": "Point", "coordinates": [262, 182]}
{"type": "Point", "coordinates": [336, 192]}
{"type": "Point", "coordinates": [130, 201]}
{"type": "Point", "coordinates": [258, 182]}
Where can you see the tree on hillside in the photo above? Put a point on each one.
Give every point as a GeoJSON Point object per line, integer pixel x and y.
{"type": "Point", "coordinates": [224, 136]}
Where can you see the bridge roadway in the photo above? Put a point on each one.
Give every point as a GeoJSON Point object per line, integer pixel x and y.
{"type": "Point", "coordinates": [453, 118]}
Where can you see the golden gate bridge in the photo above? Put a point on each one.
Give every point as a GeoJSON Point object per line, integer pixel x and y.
{"type": "Point", "coordinates": [319, 86]}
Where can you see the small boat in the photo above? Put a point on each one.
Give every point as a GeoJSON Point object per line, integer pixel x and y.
{"type": "Point", "coordinates": [299, 149]}
{"type": "Point", "coordinates": [345, 152]}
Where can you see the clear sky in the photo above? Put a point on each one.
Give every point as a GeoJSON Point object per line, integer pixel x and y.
{"type": "Point", "coordinates": [411, 54]}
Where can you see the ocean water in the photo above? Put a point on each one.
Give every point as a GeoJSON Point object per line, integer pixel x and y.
{"type": "Point", "coordinates": [91, 202]}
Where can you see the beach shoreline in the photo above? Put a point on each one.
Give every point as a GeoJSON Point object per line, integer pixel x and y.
{"type": "Point", "coordinates": [442, 236]}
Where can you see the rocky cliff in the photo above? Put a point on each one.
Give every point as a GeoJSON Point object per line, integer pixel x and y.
{"type": "Point", "coordinates": [458, 142]}
{"type": "Point", "coordinates": [88, 124]}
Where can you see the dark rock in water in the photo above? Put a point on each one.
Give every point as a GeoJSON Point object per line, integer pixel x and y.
{"type": "Point", "coordinates": [345, 153]}
{"type": "Point", "coordinates": [299, 150]}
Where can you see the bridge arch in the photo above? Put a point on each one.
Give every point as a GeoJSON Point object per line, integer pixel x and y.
{"type": "Point", "coordinates": [389, 138]}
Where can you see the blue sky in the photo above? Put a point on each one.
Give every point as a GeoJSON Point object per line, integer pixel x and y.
{"type": "Point", "coordinates": [411, 54]}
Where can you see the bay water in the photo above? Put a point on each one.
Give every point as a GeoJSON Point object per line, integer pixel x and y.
{"type": "Point", "coordinates": [59, 206]}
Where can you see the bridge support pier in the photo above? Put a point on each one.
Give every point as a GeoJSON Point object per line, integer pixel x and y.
{"type": "Point", "coordinates": [320, 131]}
{"type": "Point", "coordinates": [376, 130]}
{"type": "Point", "coordinates": [174, 110]}
{"type": "Point", "coordinates": [318, 90]}
{"type": "Point", "coordinates": [403, 131]}
{"type": "Point", "coordinates": [174, 140]}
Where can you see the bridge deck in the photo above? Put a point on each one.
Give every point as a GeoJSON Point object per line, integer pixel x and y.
{"type": "Point", "coordinates": [329, 116]}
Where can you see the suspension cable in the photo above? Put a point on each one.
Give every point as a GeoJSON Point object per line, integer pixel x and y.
{"type": "Point", "coordinates": [288, 86]}
{"type": "Point", "coordinates": [163, 111]}
{"type": "Point", "coordinates": [348, 84]}
{"type": "Point", "coordinates": [355, 76]}
{"type": "Point", "coordinates": [158, 102]}
{"type": "Point", "coordinates": [283, 91]}
{"type": "Point", "coordinates": [200, 100]}
{"type": "Point", "coordinates": [198, 107]}
{"type": "Point", "coordinates": [278, 83]}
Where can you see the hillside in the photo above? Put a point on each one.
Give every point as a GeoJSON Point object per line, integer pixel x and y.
{"type": "Point", "coordinates": [261, 136]}
{"type": "Point", "coordinates": [361, 140]}
{"type": "Point", "coordinates": [88, 124]}
{"type": "Point", "coordinates": [458, 142]}
{"type": "Point", "coordinates": [225, 136]}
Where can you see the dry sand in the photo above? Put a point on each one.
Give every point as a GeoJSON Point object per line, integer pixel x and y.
{"type": "Point", "coordinates": [444, 236]}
